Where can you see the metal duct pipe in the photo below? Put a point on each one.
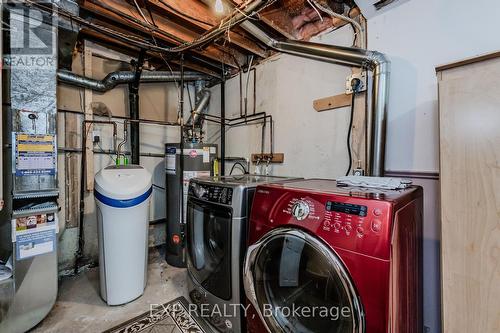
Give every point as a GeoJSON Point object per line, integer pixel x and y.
{"type": "Point", "coordinates": [371, 60]}
{"type": "Point", "coordinates": [120, 77]}
{"type": "Point", "coordinates": [195, 119]}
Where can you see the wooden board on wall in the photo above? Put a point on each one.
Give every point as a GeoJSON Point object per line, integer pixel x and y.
{"type": "Point", "coordinates": [332, 102]}
{"type": "Point", "coordinates": [469, 99]}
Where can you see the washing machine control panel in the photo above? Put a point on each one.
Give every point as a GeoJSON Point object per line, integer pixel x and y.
{"type": "Point", "coordinates": [212, 193]}
{"type": "Point", "coordinates": [346, 208]}
{"type": "Point", "coordinates": [339, 217]}
{"type": "Point", "coordinates": [346, 218]}
{"type": "Point", "coordinates": [358, 220]}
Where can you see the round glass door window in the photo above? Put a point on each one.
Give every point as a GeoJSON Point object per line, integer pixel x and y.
{"type": "Point", "coordinates": [300, 285]}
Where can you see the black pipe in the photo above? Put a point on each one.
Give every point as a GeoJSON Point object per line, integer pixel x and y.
{"type": "Point", "coordinates": [133, 95]}
{"type": "Point", "coordinates": [83, 171]}
{"type": "Point", "coordinates": [223, 127]}
{"type": "Point", "coordinates": [181, 163]}
{"type": "Point", "coordinates": [254, 90]}
{"type": "Point", "coordinates": [108, 152]}
{"type": "Point", "coordinates": [248, 121]}
{"type": "Point", "coordinates": [228, 121]}
{"type": "Point", "coordinates": [128, 120]}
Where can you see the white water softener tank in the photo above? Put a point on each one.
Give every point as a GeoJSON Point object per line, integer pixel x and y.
{"type": "Point", "coordinates": [122, 195]}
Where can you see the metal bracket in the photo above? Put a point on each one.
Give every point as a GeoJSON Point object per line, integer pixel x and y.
{"type": "Point", "coordinates": [361, 76]}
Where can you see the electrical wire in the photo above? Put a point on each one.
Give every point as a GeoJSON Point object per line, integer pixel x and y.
{"type": "Point", "coordinates": [247, 84]}
{"type": "Point", "coordinates": [226, 24]}
{"type": "Point", "coordinates": [349, 150]}
{"type": "Point", "coordinates": [175, 10]}
{"type": "Point", "coordinates": [347, 19]}
{"type": "Point", "coordinates": [315, 9]}
{"type": "Point", "coordinates": [239, 164]}
{"type": "Point", "coordinates": [106, 153]}
{"type": "Point", "coordinates": [141, 13]}
{"type": "Point", "coordinates": [159, 187]}
{"type": "Point", "coordinates": [155, 42]}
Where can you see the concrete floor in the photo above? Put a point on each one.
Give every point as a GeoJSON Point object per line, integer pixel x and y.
{"type": "Point", "coordinates": [79, 308]}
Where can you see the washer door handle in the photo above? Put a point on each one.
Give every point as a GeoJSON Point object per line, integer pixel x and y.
{"type": "Point", "coordinates": [248, 280]}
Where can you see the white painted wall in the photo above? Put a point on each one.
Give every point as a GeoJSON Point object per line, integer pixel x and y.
{"type": "Point", "coordinates": [418, 36]}
{"type": "Point", "coordinates": [314, 142]}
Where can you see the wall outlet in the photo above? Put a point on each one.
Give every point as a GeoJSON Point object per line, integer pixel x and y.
{"type": "Point", "coordinates": [361, 76]}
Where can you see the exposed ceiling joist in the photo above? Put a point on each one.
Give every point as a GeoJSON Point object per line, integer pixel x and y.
{"type": "Point", "coordinates": [175, 22]}
{"type": "Point", "coordinates": [124, 47]}
{"type": "Point", "coordinates": [200, 16]}
{"type": "Point", "coordinates": [168, 31]}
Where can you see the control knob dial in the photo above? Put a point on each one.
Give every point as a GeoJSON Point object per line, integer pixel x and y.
{"type": "Point", "coordinates": [199, 191]}
{"type": "Point", "coordinates": [300, 210]}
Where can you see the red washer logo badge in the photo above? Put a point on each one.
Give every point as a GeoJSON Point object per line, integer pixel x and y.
{"type": "Point", "coordinates": [176, 239]}
{"type": "Point", "coordinates": [193, 153]}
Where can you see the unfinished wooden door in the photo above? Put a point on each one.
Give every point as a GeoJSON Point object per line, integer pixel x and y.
{"type": "Point", "coordinates": [469, 109]}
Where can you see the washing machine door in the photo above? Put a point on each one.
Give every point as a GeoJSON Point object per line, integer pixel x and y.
{"type": "Point", "coordinates": [298, 284]}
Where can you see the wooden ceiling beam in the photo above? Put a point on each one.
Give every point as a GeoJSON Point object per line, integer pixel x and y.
{"type": "Point", "coordinates": [276, 20]}
{"type": "Point", "coordinates": [109, 41]}
{"type": "Point", "coordinates": [167, 30]}
{"type": "Point", "coordinates": [200, 16]}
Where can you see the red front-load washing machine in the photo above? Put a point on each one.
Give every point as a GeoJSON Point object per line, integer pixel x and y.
{"type": "Point", "coordinates": [331, 259]}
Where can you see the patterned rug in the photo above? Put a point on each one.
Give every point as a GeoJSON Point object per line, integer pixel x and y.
{"type": "Point", "coordinates": [172, 317]}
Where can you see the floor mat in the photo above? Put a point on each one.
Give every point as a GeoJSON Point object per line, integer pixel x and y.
{"type": "Point", "coordinates": [172, 317]}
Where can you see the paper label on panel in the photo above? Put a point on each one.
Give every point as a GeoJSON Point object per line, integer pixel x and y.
{"type": "Point", "coordinates": [34, 235]}
{"type": "Point", "coordinates": [170, 164]}
{"type": "Point", "coordinates": [35, 154]}
{"type": "Point", "coordinates": [206, 155]}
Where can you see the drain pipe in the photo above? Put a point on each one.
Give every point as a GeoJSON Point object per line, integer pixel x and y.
{"type": "Point", "coordinates": [133, 95]}
{"type": "Point", "coordinates": [83, 178]}
{"type": "Point", "coordinates": [370, 60]}
{"type": "Point", "coordinates": [120, 77]}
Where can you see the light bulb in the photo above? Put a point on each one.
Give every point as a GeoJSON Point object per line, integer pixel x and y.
{"type": "Point", "coordinates": [219, 8]}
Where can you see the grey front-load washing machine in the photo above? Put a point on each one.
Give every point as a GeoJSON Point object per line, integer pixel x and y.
{"type": "Point", "coordinates": [218, 210]}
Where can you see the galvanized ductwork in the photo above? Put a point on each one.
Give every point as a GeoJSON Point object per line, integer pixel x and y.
{"type": "Point", "coordinates": [371, 60]}
{"type": "Point", "coordinates": [195, 119]}
{"type": "Point", "coordinates": [121, 77]}
{"type": "Point", "coordinates": [193, 127]}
